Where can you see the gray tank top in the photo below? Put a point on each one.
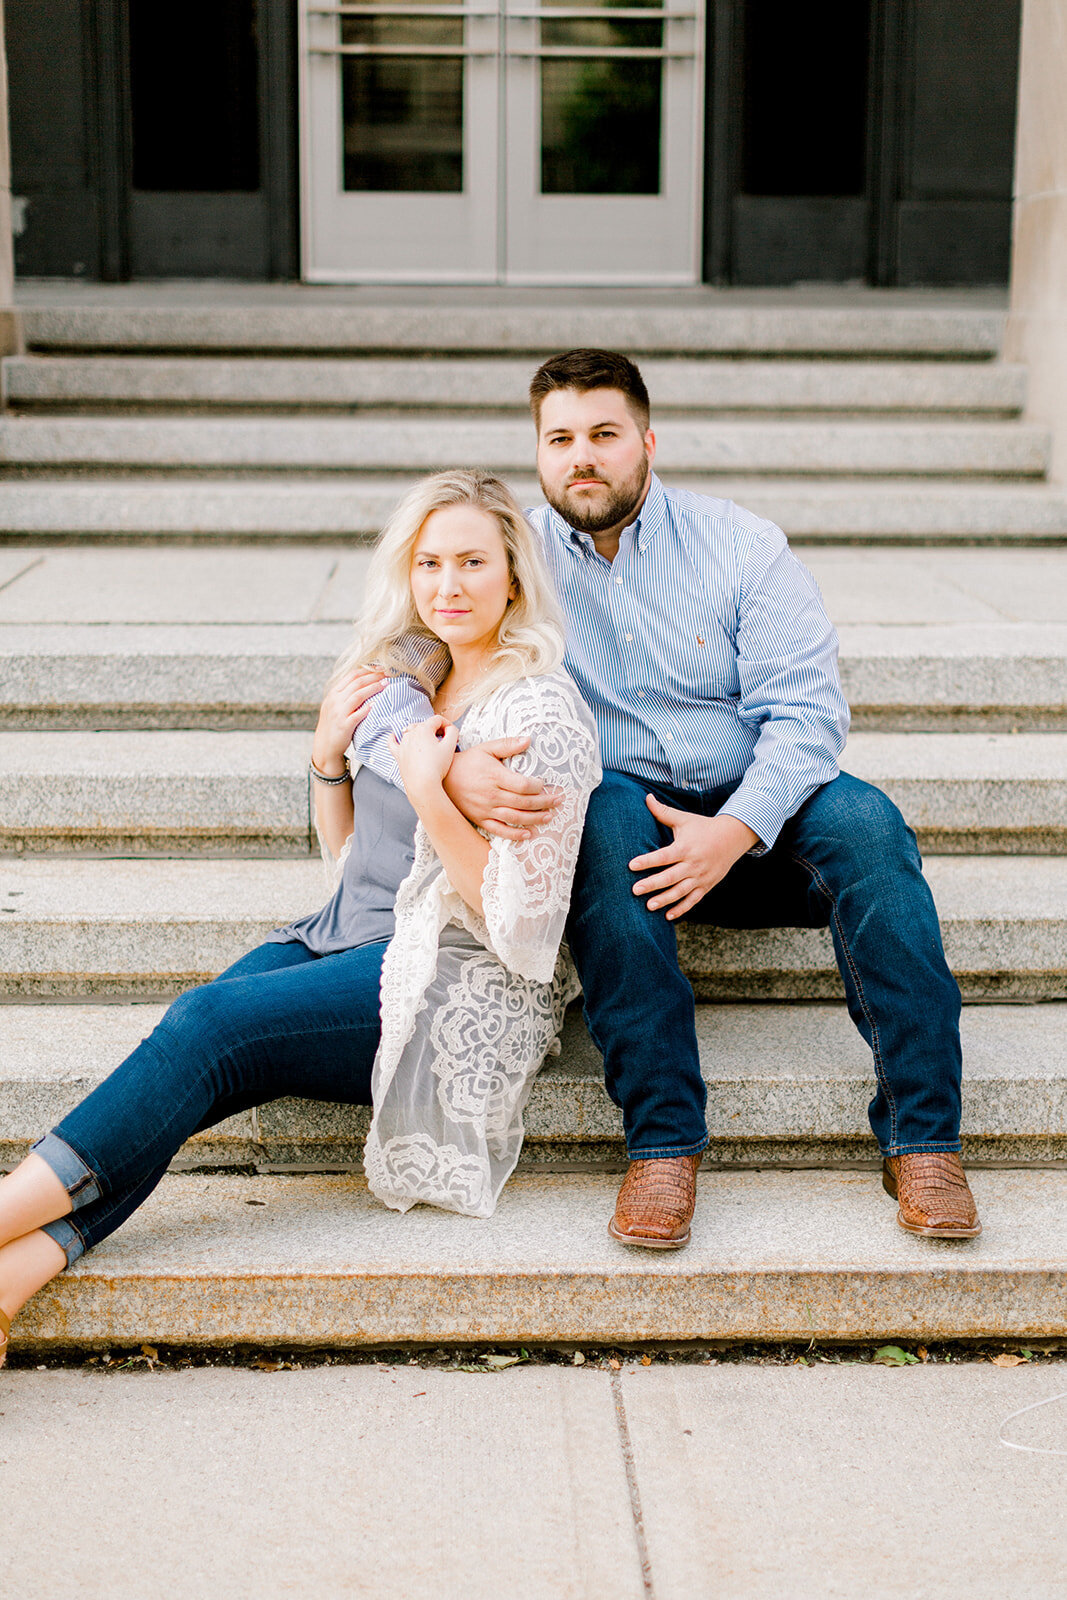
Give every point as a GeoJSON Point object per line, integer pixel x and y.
{"type": "Point", "coordinates": [360, 911]}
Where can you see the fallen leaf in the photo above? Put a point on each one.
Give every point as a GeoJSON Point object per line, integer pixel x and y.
{"type": "Point", "coordinates": [150, 1351]}
{"type": "Point", "coordinates": [467, 1367]}
{"type": "Point", "coordinates": [1005, 1360]}
{"type": "Point", "coordinates": [646, 1361]}
{"type": "Point", "coordinates": [579, 1359]}
{"type": "Point", "coordinates": [499, 1362]}
{"type": "Point", "coordinates": [263, 1364]}
{"type": "Point", "coordinates": [922, 1352]}
{"type": "Point", "coordinates": [891, 1355]}
{"type": "Point", "coordinates": [801, 1361]}
{"type": "Point", "coordinates": [614, 1365]}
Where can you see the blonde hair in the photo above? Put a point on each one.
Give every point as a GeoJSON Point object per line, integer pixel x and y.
{"type": "Point", "coordinates": [391, 634]}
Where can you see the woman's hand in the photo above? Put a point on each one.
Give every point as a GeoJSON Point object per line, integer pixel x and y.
{"type": "Point", "coordinates": [424, 754]}
{"type": "Point", "coordinates": [341, 712]}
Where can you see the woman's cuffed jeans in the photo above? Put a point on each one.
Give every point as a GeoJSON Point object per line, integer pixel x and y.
{"type": "Point", "coordinates": [281, 1021]}
{"type": "Point", "coordinates": [846, 861]}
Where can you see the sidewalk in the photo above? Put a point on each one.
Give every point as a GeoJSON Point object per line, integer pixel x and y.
{"type": "Point", "coordinates": [541, 1483]}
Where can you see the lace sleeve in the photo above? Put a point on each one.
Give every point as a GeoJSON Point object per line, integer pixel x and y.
{"type": "Point", "coordinates": [333, 865]}
{"type": "Point", "coordinates": [526, 889]}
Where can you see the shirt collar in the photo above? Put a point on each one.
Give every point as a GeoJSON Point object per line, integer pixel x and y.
{"type": "Point", "coordinates": [652, 515]}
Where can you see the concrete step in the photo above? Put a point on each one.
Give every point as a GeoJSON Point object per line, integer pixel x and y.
{"type": "Point", "coordinates": [877, 589]}
{"type": "Point", "coordinates": [774, 1256]}
{"type": "Point", "coordinates": [693, 382]}
{"type": "Point", "coordinates": [145, 793]}
{"type": "Point", "coordinates": [426, 442]}
{"type": "Point", "coordinates": [787, 1085]}
{"type": "Point", "coordinates": [203, 317]}
{"type": "Point", "coordinates": [135, 509]}
{"type": "Point", "coordinates": [1006, 677]}
{"type": "Point", "coordinates": [184, 676]}
{"type": "Point", "coordinates": [73, 929]}
{"type": "Point", "coordinates": [246, 793]}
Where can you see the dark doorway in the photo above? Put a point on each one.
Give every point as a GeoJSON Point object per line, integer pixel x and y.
{"type": "Point", "coordinates": [860, 140]}
{"type": "Point", "coordinates": [195, 193]}
{"type": "Point", "coordinates": [152, 141]}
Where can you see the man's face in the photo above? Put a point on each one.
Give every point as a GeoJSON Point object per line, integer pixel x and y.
{"type": "Point", "coordinates": [592, 457]}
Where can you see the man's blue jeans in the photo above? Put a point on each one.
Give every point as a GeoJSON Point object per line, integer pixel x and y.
{"type": "Point", "coordinates": [846, 861]}
{"type": "Point", "coordinates": [278, 1022]}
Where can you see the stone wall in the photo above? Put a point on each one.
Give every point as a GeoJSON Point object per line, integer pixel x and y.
{"type": "Point", "coordinates": [1037, 324]}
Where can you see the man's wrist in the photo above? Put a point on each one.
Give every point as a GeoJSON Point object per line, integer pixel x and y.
{"type": "Point", "coordinates": [742, 838]}
{"type": "Point", "coordinates": [453, 793]}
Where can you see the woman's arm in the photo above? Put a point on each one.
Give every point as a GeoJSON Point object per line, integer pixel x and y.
{"type": "Point", "coordinates": [527, 885]}
{"type": "Point", "coordinates": [424, 754]}
{"type": "Point", "coordinates": [344, 706]}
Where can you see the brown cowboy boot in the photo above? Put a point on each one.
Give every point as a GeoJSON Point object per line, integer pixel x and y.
{"type": "Point", "coordinates": [655, 1204]}
{"type": "Point", "coordinates": [933, 1195]}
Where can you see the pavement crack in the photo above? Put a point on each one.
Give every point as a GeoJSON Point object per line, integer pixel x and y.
{"type": "Point", "coordinates": [21, 573]}
{"type": "Point", "coordinates": [627, 1448]}
{"type": "Point", "coordinates": [320, 598]}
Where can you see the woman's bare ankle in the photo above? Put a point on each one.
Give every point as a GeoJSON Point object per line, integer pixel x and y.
{"type": "Point", "coordinates": [26, 1265]}
{"type": "Point", "coordinates": [30, 1196]}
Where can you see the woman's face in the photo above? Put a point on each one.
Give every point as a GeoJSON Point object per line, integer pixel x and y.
{"type": "Point", "coordinates": [460, 581]}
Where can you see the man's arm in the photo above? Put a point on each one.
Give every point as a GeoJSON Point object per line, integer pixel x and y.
{"type": "Point", "coordinates": [790, 688]}
{"type": "Point", "coordinates": [787, 664]}
{"type": "Point", "coordinates": [396, 707]}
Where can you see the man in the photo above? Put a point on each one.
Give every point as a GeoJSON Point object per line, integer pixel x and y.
{"type": "Point", "coordinates": [704, 651]}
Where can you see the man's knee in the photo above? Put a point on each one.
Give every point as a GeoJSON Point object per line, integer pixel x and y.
{"type": "Point", "coordinates": [861, 820]}
{"type": "Point", "coordinates": [618, 823]}
{"type": "Point", "coordinates": [618, 827]}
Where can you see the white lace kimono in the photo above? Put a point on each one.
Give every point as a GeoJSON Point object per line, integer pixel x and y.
{"type": "Point", "coordinates": [470, 1005]}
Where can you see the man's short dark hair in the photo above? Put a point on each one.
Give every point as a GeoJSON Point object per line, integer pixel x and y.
{"type": "Point", "coordinates": [591, 369]}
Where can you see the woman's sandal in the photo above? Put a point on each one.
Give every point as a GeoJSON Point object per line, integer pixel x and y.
{"type": "Point", "coordinates": [5, 1329]}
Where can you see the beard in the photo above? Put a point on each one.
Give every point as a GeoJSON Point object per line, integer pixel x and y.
{"type": "Point", "coordinates": [622, 501]}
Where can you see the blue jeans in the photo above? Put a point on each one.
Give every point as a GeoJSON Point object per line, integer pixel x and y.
{"type": "Point", "coordinates": [846, 861]}
{"type": "Point", "coordinates": [280, 1021]}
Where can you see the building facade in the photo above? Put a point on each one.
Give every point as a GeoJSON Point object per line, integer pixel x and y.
{"type": "Point", "coordinates": [644, 142]}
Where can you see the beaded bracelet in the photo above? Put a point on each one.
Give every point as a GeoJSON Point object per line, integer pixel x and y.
{"type": "Point", "coordinates": [321, 777]}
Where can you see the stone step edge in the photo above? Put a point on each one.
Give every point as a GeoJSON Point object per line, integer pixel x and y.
{"type": "Point", "coordinates": [812, 1110]}
{"type": "Point", "coordinates": [1002, 918]}
{"type": "Point", "coordinates": [639, 326]}
{"type": "Point", "coordinates": [258, 676]}
{"type": "Point", "coordinates": [137, 511]}
{"type": "Point", "coordinates": [316, 1261]}
{"type": "Point", "coordinates": [197, 815]}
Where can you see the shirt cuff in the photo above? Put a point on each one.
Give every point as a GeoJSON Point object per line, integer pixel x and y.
{"type": "Point", "coordinates": [758, 812]}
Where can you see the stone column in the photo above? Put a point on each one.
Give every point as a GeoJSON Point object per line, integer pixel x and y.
{"type": "Point", "coordinates": [8, 318]}
{"type": "Point", "coordinates": [1037, 319]}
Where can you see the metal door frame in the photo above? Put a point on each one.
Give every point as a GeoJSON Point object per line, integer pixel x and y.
{"type": "Point", "coordinates": [681, 144]}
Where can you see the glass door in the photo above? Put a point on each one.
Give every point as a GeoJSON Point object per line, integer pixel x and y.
{"type": "Point", "coordinates": [604, 130]}
{"type": "Point", "coordinates": [400, 113]}
{"type": "Point", "coordinates": [524, 141]}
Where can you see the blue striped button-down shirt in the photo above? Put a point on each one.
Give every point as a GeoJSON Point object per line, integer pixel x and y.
{"type": "Point", "coordinates": [703, 650]}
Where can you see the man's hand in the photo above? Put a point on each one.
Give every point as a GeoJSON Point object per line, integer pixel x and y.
{"type": "Point", "coordinates": [490, 795]}
{"type": "Point", "coordinates": [701, 854]}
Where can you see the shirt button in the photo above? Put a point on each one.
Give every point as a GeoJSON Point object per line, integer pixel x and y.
{"type": "Point", "coordinates": [628, 637]}
{"type": "Point", "coordinates": [640, 694]}
{"type": "Point", "coordinates": [668, 734]}
{"type": "Point", "coordinates": [618, 579]}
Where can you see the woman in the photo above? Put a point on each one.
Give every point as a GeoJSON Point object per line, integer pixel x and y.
{"type": "Point", "coordinates": [452, 938]}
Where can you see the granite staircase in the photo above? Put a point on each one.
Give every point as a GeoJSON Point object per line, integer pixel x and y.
{"type": "Point", "coordinates": [187, 486]}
